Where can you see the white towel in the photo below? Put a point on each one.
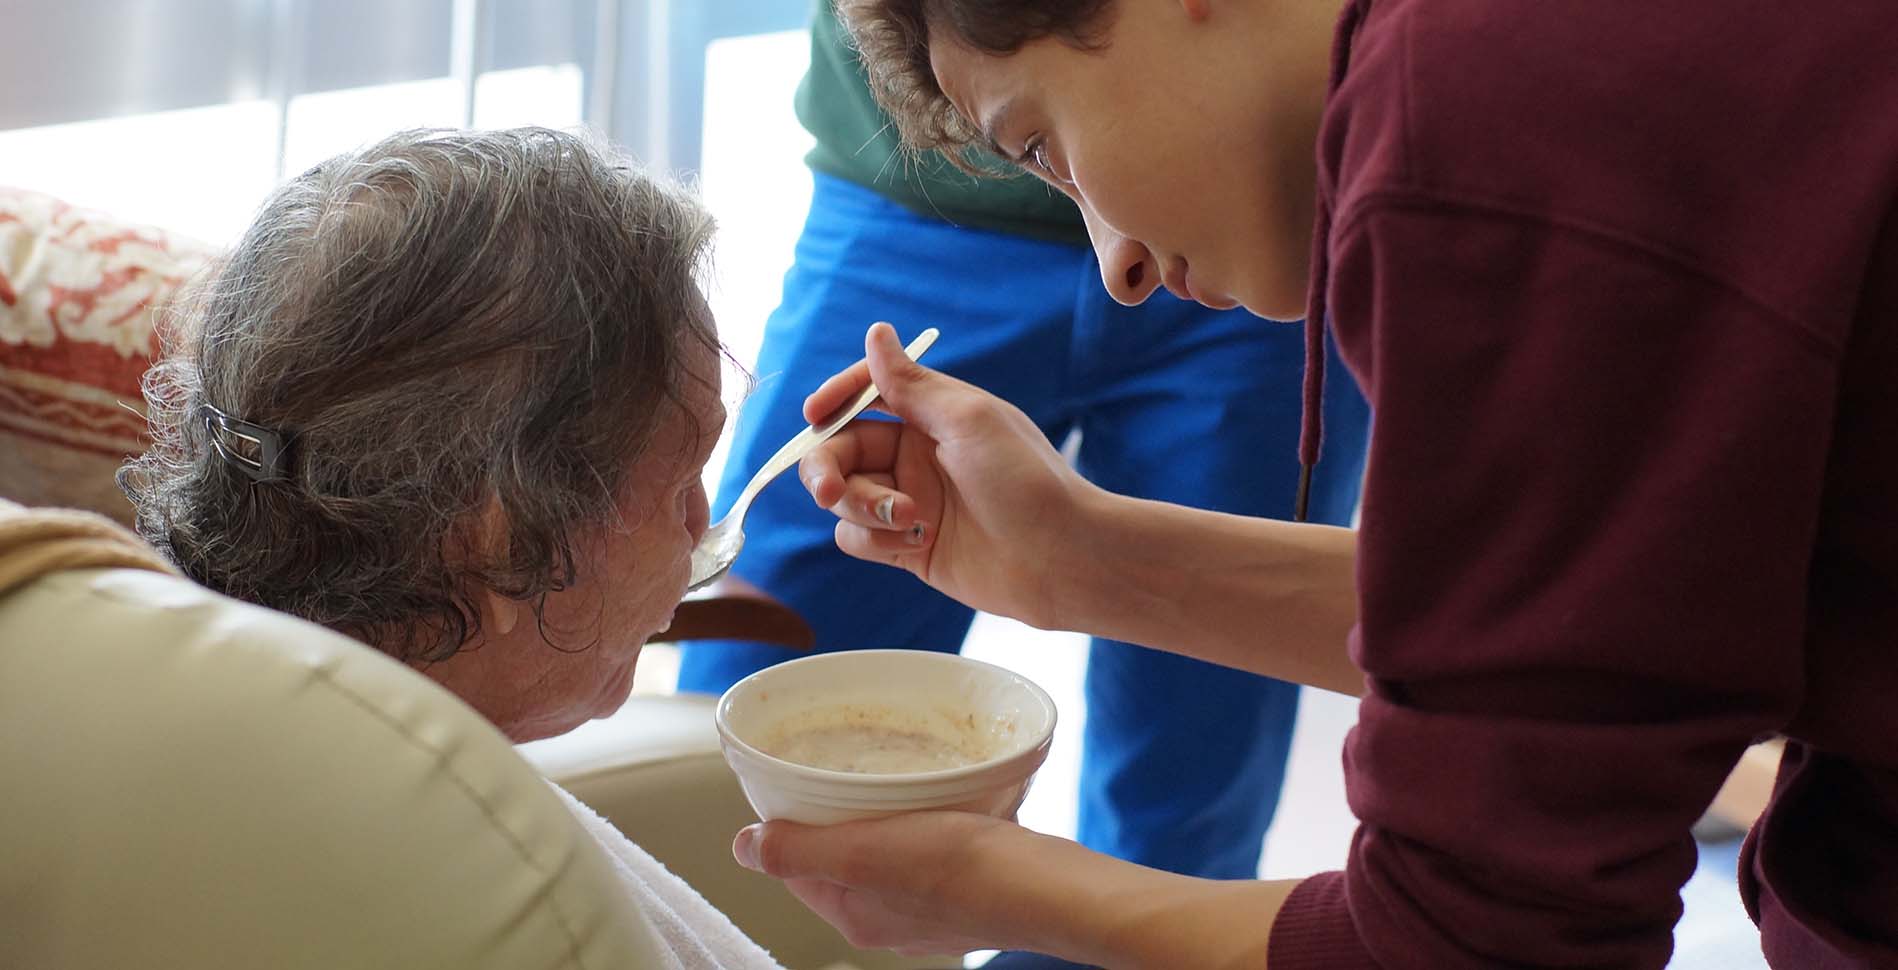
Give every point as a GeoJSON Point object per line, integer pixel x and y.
{"type": "Point", "coordinates": [698, 936]}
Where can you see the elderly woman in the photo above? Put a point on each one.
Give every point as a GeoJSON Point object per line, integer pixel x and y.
{"type": "Point", "coordinates": [452, 395]}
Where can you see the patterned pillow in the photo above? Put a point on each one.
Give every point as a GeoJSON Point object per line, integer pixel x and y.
{"type": "Point", "coordinates": [82, 296]}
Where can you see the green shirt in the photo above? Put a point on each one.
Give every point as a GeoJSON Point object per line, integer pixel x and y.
{"type": "Point", "coordinates": [856, 142]}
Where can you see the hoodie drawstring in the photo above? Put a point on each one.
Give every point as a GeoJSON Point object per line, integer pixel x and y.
{"type": "Point", "coordinates": [1311, 430]}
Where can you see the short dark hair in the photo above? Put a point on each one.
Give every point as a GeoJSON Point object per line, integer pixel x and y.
{"type": "Point", "coordinates": [444, 323]}
{"type": "Point", "coordinates": [892, 38]}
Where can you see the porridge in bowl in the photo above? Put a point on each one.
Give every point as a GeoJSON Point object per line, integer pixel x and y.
{"type": "Point", "coordinates": [872, 739]}
{"type": "Point", "coordinates": [868, 733]}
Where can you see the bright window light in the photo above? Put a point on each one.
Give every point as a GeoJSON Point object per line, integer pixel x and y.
{"type": "Point", "coordinates": [198, 172]}
{"type": "Point", "coordinates": [548, 96]}
{"type": "Point", "coordinates": [328, 122]}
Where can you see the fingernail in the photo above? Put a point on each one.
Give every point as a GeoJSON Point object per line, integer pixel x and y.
{"type": "Point", "coordinates": [915, 534]}
{"type": "Point", "coordinates": [745, 848]}
{"type": "Point", "coordinates": [886, 509]}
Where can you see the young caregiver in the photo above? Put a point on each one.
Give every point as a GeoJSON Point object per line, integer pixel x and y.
{"type": "Point", "coordinates": [1181, 764]}
{"type": "Point", "coordinates": [1620, 281]}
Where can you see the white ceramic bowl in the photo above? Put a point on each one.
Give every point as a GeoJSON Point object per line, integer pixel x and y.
{"type": "Point", "coordinates": [1008, 720]}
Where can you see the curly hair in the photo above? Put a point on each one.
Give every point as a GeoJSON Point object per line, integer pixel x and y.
{"type": "Point", "coordinates": [892, 38]}
{"type": "Point", "coordinates": [446, 324]}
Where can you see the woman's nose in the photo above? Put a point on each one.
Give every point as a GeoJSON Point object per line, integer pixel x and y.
{"type": "Point", "coordinates": [1128, 270]}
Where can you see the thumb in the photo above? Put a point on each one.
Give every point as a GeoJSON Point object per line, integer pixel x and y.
{"type": "Point", "coordinates": [909, 390]}
{"type": "Point", "coordinates": [787, 850]}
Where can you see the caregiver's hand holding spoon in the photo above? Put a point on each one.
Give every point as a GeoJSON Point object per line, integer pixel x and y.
{"type": "Point", "coordinates": [966, 492]}
{"type": "Point", "coordinates": [969, 495]}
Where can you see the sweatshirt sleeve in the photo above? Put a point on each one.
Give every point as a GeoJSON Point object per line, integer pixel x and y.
{"type": "Point", "coordinates": [1589, 510]}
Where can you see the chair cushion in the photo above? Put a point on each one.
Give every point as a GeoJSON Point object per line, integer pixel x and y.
{"type": "Point", "coordinates": [83, 298]}
{"type": "Point", "coordinates": [195, 782]}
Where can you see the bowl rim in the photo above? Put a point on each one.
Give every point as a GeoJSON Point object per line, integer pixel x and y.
{"type": "Point", "coordinates": [1036, 751]}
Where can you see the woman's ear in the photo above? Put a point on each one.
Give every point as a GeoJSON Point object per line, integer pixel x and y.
{"type": "Point", "coordinates": [500, 613]}
{"type": "Point", "coordinates": [503, 613]}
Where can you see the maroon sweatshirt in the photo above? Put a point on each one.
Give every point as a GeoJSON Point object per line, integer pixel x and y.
{"type": "Point", "coordinates": [1620, 278]}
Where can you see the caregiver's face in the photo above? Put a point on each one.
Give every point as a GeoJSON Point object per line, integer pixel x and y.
{"type": "Point", "coordinates": [1184, 134]}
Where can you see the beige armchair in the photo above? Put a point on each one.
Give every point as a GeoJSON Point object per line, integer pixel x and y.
{"type": "Point", "coordinates": [190, 781]}
{"type": "Point", "coordinates": [194, 782]}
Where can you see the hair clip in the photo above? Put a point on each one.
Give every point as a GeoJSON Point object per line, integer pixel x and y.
{"type": "Point", "coordinates": [271, 447]}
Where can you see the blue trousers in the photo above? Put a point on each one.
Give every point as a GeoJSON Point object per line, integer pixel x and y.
{"type": "Point", "coordinates": [1182, 760]}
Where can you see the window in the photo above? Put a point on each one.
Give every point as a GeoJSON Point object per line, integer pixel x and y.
{"type": "Point", "coordinates": [185, 113]}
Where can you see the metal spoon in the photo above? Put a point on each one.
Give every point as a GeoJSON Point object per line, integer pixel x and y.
{"type": "Point", "coordinates": [712, 558]}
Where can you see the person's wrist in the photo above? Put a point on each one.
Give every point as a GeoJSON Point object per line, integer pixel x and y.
{"type": "Point", "coordinates": [1078, 568]}
{"type": "Point", "coordinates": [1080, 904]}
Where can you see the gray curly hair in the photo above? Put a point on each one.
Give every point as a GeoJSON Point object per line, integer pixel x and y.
{"type": "Point", "coordinates": [446, 324]}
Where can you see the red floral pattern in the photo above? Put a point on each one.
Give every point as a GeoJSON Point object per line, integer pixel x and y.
{"type": "Point", "coordinates": [83, 298]}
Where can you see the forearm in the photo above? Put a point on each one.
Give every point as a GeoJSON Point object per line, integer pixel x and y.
{"type": "Point", "coordinates": [1184, 922]}
{"type": "Point", "coordinates": [1275, 598]}
{"type": "Point", "coordinates": [1111, 913]}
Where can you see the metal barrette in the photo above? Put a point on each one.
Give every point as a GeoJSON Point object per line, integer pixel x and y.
{"type": "Point", "coordinates": [234, 440]}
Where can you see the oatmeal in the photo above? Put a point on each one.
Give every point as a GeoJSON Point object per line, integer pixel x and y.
{"type": "Point", "coordinates": [875, 740]}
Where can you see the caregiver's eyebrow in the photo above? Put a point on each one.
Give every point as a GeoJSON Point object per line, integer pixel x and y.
{"type": "Point", "coordinates": [994, 126]}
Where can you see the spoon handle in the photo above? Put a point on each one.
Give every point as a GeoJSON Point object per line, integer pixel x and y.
{"type": "Point", "coordinates": [806, 441]}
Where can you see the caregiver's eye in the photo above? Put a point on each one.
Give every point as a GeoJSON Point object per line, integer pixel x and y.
{"type": "Point", "coordinates": [1038, 156]}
